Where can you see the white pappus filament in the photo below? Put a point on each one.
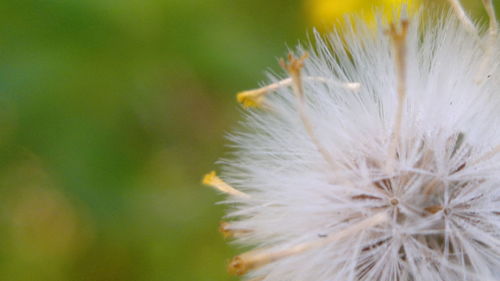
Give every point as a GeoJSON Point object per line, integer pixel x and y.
{"type": "Point", "coordinates": [376, 158]}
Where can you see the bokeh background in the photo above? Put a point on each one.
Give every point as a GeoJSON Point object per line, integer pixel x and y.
{"type": "Point", "coordinates": [110, 113]}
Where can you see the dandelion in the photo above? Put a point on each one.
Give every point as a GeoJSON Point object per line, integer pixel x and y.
{"type": "Point", "coordinates": [377, 157]}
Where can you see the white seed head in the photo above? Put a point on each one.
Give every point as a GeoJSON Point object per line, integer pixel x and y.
{"type": "Point", "coordinates": [376, 158]}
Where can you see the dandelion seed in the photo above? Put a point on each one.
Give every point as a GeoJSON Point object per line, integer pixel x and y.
{"type": "Point", "coordinates": [379, 158]}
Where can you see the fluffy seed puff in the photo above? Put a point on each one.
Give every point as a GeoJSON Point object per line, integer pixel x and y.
{"type": "Point", "coordinates": [376, 158]}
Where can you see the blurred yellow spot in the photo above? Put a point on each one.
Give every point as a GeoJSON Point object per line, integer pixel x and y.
{"type": "Point", "coordinates": [329, 11]}
{"type": "Point", "coordinates": [42, 226]}
{"type": "Point", "coordinates": [323, 14]}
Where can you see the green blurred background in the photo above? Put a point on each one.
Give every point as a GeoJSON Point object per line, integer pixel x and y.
{"type": "Point", "coordinates": [110, 113]}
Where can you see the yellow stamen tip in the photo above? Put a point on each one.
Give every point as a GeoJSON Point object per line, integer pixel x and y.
{"type": "Point", "coordinates": [208, 179]}
{"type": "Point", "coordinates": [238, 266]}
{"type": "Point", "coordinates": [211, 179]}
{"type": "Point", "coordinates": [249, 99]}
{"type": "Point", "coordinates": [226, 232]}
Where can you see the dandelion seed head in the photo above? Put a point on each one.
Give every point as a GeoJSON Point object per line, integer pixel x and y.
{"type": "Point", "coordinates": [394, 179]}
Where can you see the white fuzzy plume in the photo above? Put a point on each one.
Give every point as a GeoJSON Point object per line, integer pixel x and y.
{"type": "Point", "coordinates": [427, 211]}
